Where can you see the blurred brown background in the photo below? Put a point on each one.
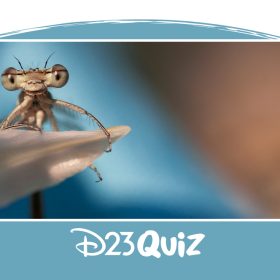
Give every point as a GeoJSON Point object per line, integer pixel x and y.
{"type": "Point", "coordinates": [226, 96]}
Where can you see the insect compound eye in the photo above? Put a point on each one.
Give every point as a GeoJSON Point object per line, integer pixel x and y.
{"type": "Point", "coordinates": [9, 79]}
{"type": "Point", "coordinates": [59, 76]}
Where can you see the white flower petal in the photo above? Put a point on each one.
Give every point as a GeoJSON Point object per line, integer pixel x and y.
{"type": "Point", "coordinates": [30, 161]}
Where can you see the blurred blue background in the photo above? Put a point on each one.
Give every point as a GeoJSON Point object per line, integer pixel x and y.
{"type": "Point", "coordinates": [154, 172]}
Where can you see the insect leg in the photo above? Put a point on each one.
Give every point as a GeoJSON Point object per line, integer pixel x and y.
{"type": "Point", "coordinates": [83, 112]}
{"type": "Point", "coordinates": [24, 105]}
{"type": "Point", "coordinates": [55, 128]}
{"type": "Point", "coordinates": [51, 118]}
{"type": "Point", "coordinates": [40, 116]}
{"type": "Point", "coordinates": [93, 167]}
{"type": "Point", "coordinates": [23, 125]}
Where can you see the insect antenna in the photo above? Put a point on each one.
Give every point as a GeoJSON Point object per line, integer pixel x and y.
{"type": "Point", "coordinates": [46, 63]}
{"type": "Point", "coordinates": [19, 63]}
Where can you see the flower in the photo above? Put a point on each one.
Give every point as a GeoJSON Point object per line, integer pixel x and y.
{"type": "Point", "coordinates": [31, 161]}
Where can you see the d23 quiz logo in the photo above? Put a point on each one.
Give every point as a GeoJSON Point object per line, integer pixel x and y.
{"type": "Point", "coordinates": [148, 244]}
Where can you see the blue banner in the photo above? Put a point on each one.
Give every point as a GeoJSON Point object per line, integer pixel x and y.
{"type": "Point", "coordinates": [140, 250]}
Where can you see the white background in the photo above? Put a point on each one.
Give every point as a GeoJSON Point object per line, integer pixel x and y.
{"type": "Point", "coordinates": [262, 16]}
